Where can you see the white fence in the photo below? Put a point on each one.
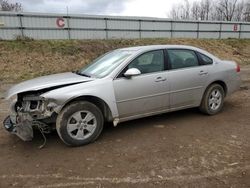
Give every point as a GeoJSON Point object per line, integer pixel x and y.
{"type": "Point", "coordinates": [58, 26]}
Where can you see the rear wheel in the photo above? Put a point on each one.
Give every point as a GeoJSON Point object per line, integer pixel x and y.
{"type": "Point", "coordinates": [79, 123]}
{"type": "Point", "coordinates": [213, 100]}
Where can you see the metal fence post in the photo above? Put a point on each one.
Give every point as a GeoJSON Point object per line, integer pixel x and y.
{"type": "Point", "coordinates": [240, 30]}
{"type": "Point", "coordinates": [21, 24]}
{"type": "Point", "coordinates": [106, 27]}
{"type": "Point", "coordinates": [220, 30]}
{"type": "Point", "coordinates": [69, 37]}
{"type": "Point", "coordinates": [140, 29]}
{"type": "Point", "coordinates": [198, 29]}
{"type": "Point", "coordinates": [171, 29]}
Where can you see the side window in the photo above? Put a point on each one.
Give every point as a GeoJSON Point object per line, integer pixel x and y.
{"type": "Point", "coordinates": [149, 62]}
{"type": "Point", "coordinates": [181, 58]}
{"type": "Point", "coordinates": [205, 60]}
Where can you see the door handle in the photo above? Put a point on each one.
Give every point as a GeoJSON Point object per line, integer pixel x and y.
{"type": "Point", "coordinates": [203, 72]}
{"type": "Point", "coordinates": [160, 79]}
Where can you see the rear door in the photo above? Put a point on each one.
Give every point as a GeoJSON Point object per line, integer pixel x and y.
{"type": "Point", "coordinates": [187, 78]}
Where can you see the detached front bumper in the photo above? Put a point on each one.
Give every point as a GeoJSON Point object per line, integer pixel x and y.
{"type": "Point", "coordinates": [23, 129]}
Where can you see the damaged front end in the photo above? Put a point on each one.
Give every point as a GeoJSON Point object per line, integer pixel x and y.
{"type": "Point", "coordinates": [30, 110]}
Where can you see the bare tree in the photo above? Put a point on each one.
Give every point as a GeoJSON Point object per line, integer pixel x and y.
{"type": "Point", "coordinates": [186, 10]}
{"type": "Point", "coordinates": [247, 12]}
{"type": "Point", "coordinates": [181, 11]}
{"type": "Point", "coordinates": [206, 5]}
{"type": "Point", "coordinates": [174, 13]}
{"type": "Point", "coordinates": [239, 11]}
{"type": "Point", "coordinates": [195, 10]}
{"type": "Point", "coordinates": [227, 9]}
{"type": "Point", "coordinates": [202, 11]}
{"type": "Point", "coordinates": [5, 5]}
{"type": "Point", "coordinates": [216, 14]}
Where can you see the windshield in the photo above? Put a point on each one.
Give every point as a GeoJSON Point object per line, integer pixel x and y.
{"type": "Point", "coordinates": [105, 64]}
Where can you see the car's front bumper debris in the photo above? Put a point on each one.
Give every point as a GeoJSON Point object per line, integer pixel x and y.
{"type": "Point", "coordinates": [23, 130]}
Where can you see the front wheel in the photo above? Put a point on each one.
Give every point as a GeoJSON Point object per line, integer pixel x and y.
{"type": "Point", "coordinates": [79, 123]}
{"type": "Point", "coordinates": [213, 100]}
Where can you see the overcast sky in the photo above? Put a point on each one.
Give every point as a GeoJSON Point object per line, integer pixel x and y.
{"type": "Point", "coordinates": [149, 8]}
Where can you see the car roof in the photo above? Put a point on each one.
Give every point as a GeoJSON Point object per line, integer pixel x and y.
{"type": "Point", "coordinates": [155, 47]}
{"type": "Point", "coordinates": [152, 47]}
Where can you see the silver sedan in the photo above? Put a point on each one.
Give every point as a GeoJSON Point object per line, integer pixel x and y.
{"type": "Point", "coordinates": [121, 85]}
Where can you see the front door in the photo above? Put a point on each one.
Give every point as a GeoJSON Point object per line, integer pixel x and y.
{"type": "Point", "coordinates": [146, 93]}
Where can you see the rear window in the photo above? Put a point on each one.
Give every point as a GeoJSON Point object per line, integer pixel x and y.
{"type": "Point", "coordinates": [205, 60]}
{"type": "Point", "coordinates": [182, 58]}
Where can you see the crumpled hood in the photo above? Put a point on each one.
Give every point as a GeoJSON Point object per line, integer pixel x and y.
{"type": "Point", "coordinates": [47, 82]}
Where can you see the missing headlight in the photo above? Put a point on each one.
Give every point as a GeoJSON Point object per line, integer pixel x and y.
{"type": "Point", "coordinates": [34, 105]}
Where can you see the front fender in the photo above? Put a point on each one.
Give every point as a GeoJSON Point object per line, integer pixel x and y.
{"type": "Point", "coordinates": [101, 88]}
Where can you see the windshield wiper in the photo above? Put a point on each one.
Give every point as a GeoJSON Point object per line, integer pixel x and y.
{"type": "Point", "coordinates": [81, 74]}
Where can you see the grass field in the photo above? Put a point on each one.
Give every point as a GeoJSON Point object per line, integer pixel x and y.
{"type": "Point", "coordinates": [25, 59]}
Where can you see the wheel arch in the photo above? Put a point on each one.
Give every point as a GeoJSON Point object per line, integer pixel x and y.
{"type": "Point", "coordinates": [203, 104]}
{"type": "Point", "coordinates": [220, 82]}
{"type": "Point", "coordinates": [100, 103]}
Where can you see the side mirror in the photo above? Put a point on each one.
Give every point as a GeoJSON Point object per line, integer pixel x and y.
{"type": "Point", "coordinates": [132, 72]}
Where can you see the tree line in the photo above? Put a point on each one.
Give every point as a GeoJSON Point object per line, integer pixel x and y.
{"type": "Point", "coordinates": [5, 5]}
{"type": "Point", "coordinates": [221, 10]}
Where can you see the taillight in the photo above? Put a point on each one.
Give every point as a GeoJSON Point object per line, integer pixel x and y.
{"type": "Point", "coordinates": [237, 67]}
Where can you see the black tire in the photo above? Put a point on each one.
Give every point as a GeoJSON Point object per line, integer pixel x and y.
{"type": "Point", "coordinates": [205, 107]}
{"type": "Point", "coordinates": [67, 112]}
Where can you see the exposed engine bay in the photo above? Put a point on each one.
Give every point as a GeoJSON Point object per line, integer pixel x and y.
{"type": "Point", "coordinates": [29, 111]}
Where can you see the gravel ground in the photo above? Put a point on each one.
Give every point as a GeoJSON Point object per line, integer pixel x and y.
{"type": "Point", "coordinates": [180, 149]}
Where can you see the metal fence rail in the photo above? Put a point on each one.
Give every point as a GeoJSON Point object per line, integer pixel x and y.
{"type": "Point", "coordinates": [59, 26]}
